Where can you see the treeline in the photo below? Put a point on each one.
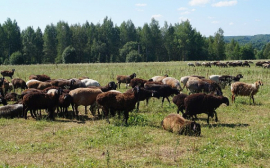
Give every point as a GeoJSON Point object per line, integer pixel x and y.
{"type": "Point", "coordinates": [107, 42]}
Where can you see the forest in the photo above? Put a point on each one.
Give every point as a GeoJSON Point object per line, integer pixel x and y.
{"type": "Point", "coordinates": [106, 42]}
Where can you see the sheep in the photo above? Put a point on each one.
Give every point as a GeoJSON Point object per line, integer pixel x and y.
{"type": "Point", "coordinates": [245, 89]}
{"type": "Point", "coordinates": [124, 79]}
{"type": "Point", "coordinates": [137, 82]}
{"type": "Point", "coordinates": [63, 83]}
{"type": "Point", "coordinates": [158, 78]}
{"type": "Point", "coordinates": [111, 102]}
{"type": "Point", "coordinates": [11, 111]}
{"type": "Point", "coordinates": [32, 83]}
{"type": "Point", "coordinates": [83, 96]}
{"type": "Point", "coordinates": [151, 83]}
{"type": "Point", "coordinates": [2, 100]}
{"type": "Point", "coordinates": [174, 83]}
{"type": "Point", "coordinates": [64, 102]}
{"type": "Point", "coordinates": [35, 101]}
{"type": "Point", "coordinates": [227, 79]}
{"type": "Point", "coordinates": [206, 64]}
{"type": "Point", "coordinates": [40, 77]}
{"type": "Point", "coordinates": [110, 86]}
{"type": "Point", "coordinates": [177, 124]}
{"type": "Point", "coordinates": [18, 83]}
{"type": "Point", "coordinates": [190, 64]}
{"type": "Point", "coordinates": [202, 103]}
{"type": "Point", "coordinates": [5, 86]}
{"type": "Point", "coordinates": [8, 73]}
{"type": "Point", "coordinates": [184, 79]}
{"type": "Point", "coordinates": [12, 96]}
{"type": "Point", "coordinates": [178, 100]}
{"type": "Point", "coordinates": [89, 82]}
{"type": "Point", "coordinates": [164, 91]}
{"type": "Point", "coordinates": [203, 85]}
{"type": "Point", "coordinates": [144, 95]}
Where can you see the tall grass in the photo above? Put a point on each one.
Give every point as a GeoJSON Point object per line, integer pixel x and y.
{"type": "Point", "coordinates": [239, 139]}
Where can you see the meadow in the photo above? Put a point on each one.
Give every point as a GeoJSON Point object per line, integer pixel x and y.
{"type": "Point", "coordinates": [239, 139]}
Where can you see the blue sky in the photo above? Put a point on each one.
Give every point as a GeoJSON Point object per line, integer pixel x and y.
{"type": "Point", "coordinates": [235, 17]}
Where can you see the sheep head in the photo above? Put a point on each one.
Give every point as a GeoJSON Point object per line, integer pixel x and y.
{"type": "Point", "coordinates": [225, 100]}
{"type": "Point", "coordinates": [196, 128]}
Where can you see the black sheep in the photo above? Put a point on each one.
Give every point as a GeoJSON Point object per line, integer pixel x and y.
{"type": "Point", "coordinates": [202, 103]}
{"type": "Point", "coordinates": [178, 100]}
{"type": "Point", "coordinates": [164, 91]}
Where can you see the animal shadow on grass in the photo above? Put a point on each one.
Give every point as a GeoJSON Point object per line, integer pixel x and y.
{"type": "Point", "coordinates": [224, 125]}
{"type": "Point", "coordinates": [248, 103]}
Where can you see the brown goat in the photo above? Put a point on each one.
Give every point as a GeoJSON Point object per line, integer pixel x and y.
{"type": "Point", "coordinates": [125, 79]}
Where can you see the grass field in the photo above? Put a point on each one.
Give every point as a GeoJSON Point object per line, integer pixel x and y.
{"type": "Point", "coordinates": [239, 139]}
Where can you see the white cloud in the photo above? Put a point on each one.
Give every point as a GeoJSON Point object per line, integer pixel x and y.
{"type": "Point", "coordinates": [198, 2]}
{"type": "Point", "coordinates": [182, 9]}
{"type": "Point", "coordinates": [183, 19]}
{"type": "Point", "coordinates": [140, 4]}
{"type": "Point", "coordinates": [231, 23]}
{"type": "Point", "coordinates": [215, 22]}
{"type": "Point", "coordinates": [225, 3]}
{"type": "Point", "coordinates": [185, 13]}
{"type": "Point", "coordinates": [192, 10]}
{"type": "Point", "coordinates": [156, 16]}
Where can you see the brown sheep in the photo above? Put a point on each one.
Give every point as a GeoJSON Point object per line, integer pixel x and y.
{"type": "Point", "coordinates": [245, 89]}
{"type": "Point", "coordinates": [174, 83]}
{"type": "Point", "coordinates": [8, 73]}
{"type": "Point", "coordinates": [18, 83]}
{"type": "Point", "coordinates": [40, 77]}
{"type": "Point", "coordinates": [137, 82]}
{"type": "Point", "coordinates": [158, 78]}
{"type": "Point", "coordinates": [83, 96]}
{"type": "Point", "coordinates": [124, 79]}
{"type": "Point", "coordinates": [178, 100]}
{"type": "Point", "coordinates": [112, 102]}
{"type": "Point", "coordinates": [177, 124]}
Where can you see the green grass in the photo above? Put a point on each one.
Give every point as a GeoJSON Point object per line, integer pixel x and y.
{"type": "Point", "coordinates": [239, 139]}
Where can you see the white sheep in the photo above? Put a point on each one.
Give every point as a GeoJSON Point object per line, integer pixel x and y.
{"type": "Point", "coordinates": [158, 78]}
{"type": "Point", "coordinates": [89, 82]}
{"type": "Point", "coordinates": [11, 111]}
{"type": "Point", "coordinates": [184, 80]}
{"type": "Point", "coordinates": [245, 89]}
{"type": "Point", "coordinates": [174, 83]}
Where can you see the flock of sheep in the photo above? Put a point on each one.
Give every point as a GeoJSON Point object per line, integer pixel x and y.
{"type": "Point", "coordinates": [42, 92]}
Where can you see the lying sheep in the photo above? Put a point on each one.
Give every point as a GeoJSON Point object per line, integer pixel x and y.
{"type": "Point", "coordinates": [245, 89]}
{"type": "Point", "coordinates": [174, 83]}
{"type": "Point", "coordinates": [12, 96]}
{"type": "Point", "coordinates": [124, 79]}
{"type": "Point", "coordinates": [202, 103]}
{"type": "Point", "coordinates": [89, 82]}
{"type": "Point", "coordinates": [11, 111]}
{"type": "Point", "coordinates": [83, 96]}
{"type": "Point", "coordinates": [177, 124]}
{"type": "Point", "coordinates": [112, 102]}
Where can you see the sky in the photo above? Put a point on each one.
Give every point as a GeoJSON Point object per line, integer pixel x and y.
{"type": "Point", "coordinates": [234, 17]}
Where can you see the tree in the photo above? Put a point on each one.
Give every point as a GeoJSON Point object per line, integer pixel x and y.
{"type": "Point", "coordinates": [63, 39]}
{"type": "Point", "coordinates": [50, 43]}
{"type": "Point", "coordinates": [13, 41]}
{"type": "Point", "coordinates": [266, 51]}
{"type": "Point", "coordinates": [146, 43]}
{"type": "Point", "coordinates": [38, 40]}
{"type": "Point", "coordinates": [247, 52]}
{"type": "Point", "coordinates": [129, 52]}
{"type": "Point", "coordinates": [219, 45]}
{"type": "Point", "coordinates": [69, 55]}
{"type": "Point", "coordinates": [16, 58]}
{"type": "Point", "coordinates": [29, 48]}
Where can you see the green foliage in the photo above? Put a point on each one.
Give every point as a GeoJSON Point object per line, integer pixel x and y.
{"type": "Point", "coordinates": [69, 55]}
{"type": "Point", "coordinates": [16, 58]}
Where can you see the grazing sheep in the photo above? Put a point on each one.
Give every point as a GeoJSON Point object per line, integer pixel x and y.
{"type": "Point", "coordinates": [8, 73]}
{"type": "Point", "coordinates": [44, 85]}
{"type": "Point", "coordinates": [245, 89]}
{"type": "Point", "coordinates": [12, 96]}
{"type": "Point", "coordinates": [174, 83]}
{"type": "Point", "coordinates": [11, 111]}
{"type": "Point", "coordinates": [203, 85]}
{"type": "Point", "coordinates": [124, 79]}
{"type": "Point", "coordinates": [137, 82]}
{"type": "Point", "coordinates": [112, 101]}
{"type": "Point", "coordinates": [190, 64]}
{"type": "Point", "coordinates": [18, 83]}
{"type": "Point", "coordinates": [63, 83]}
{"type": "Point", "coordinates": [83, 96]}
{"type": "Point", "coordinates": [177, 124]}
{"type": "Point", "coordinates": [65, 101]}
{"type": "Point", "coordinates": [202, 103]}
{"type": "Point", "coordinates": [144, 95]}
{"type": "Point", "coordinates": [40, 77]}
{"type": "Point", "coordinates": [227, 79]}
{"type": "Point", "coordinates": [164, 91]}
{"type": "Point", "coordinates": [158, 78]}
{"type": "Point", "coordinates": [35, 101]}
{"type": "Point", "coordinates": [110, 86]}
{"type": "Point", "coordinates": [178, 100]}
{"type": "Point", "coordinates": [184, 79]}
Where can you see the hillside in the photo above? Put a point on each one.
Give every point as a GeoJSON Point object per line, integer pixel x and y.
{"type": "Point", "coordinates": [258, 41]}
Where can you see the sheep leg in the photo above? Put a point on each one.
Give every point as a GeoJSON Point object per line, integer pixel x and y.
{"type": "Point", "coordinates": [138, 104]}
{"type": "Point", "coordinates": [85, 109]}
{"type": "Point", "coordinates": [25, 112]}
{"type": "Point", "coordinates": [252, 99]}
{"type": "Point", "coordinates": [162, 101]}
{"type": "Point", "coordinates": [126, 116]}
{"type": "Point", "coordinates": [168, 100]}
{"type": "Point", "coordinates": [216, 118]}
{"type": "Point", "coordinates": [233, 98]}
